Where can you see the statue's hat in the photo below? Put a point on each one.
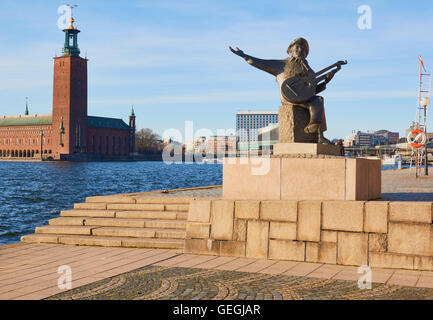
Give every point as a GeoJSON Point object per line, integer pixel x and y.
{"type": "Point", "coordinates": [301, 41]}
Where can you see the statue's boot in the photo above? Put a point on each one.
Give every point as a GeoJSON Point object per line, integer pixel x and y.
{"type": "Point", "coordinates": [322, 139]}
{"type": "Point", "coordinates": [315, 108]}
{"type": "Point", "coordinates": [312, 128]}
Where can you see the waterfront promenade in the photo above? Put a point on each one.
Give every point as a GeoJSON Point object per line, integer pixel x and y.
{"type": "Point", "coordinates": [30, 270]}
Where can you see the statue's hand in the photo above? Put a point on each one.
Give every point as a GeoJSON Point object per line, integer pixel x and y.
{"type": "Point", "coordinates": [238, 52]}
{"type": "Point", "coordinates": [329, 76]}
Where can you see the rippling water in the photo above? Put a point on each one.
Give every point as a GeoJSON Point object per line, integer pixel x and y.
{"type": "Point", "coordinates": [388, 167]}
{"type": "Point", "coordinates": [31, 193]}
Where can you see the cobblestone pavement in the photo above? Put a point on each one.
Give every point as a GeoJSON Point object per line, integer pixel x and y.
{"type": "Point", "coordinates": [173, 283]}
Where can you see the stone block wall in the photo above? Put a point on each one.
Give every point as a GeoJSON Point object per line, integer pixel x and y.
{"type": "Point", "coordinates": [375, 233]}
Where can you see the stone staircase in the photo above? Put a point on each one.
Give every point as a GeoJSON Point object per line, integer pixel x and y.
{"type": "Point", "coordinates": [119, 221]}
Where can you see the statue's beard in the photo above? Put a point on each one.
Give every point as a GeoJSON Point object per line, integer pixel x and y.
{"type": "Point", "coordinates": [298, 59]}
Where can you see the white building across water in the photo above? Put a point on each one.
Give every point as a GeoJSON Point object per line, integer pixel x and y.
{"type": "Point", "coordinates": [248, 124]}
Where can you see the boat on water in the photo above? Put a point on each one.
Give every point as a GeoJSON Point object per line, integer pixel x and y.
{"type": "Point", "coordinates": [391, 160]}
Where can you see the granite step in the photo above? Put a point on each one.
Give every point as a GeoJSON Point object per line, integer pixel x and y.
{"type": "Point", "coordinates": [176, 207]}
{"type": "Point", "coordinates": [112, 231]}
{"type": "Point", "coordinates": [90, 206]}
{"type": "Point", "coordinates": [139, 232]}
{"type": "Point", "coordinates": [50, 229]}
{"type": "Point", "coordinates": [134, 206]}
{"type": "Point", "coordinates": [166, 224]}
{"type": "Point", "coordinates": [172, 215]}
{"type": "Point", "coordinates": [67, 221]}
{"type": "Point", "coordinates": [137, 199]}
{"type": "Point", "coordinates": [120, 221]}
{"type": "Point", "coordinates": [136, 223]}
{"type": "Point", "coordinates": [147, 207]}
{"type": "Point", "coordinates": [84, 240]}
{"type": "Point", "coordinates": [88, 213]}
{"type": "Point", "coordinates": [165, 200]}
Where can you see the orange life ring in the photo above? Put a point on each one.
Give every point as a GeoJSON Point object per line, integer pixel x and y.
{"type": "Point", "coordinates": [417, 145]}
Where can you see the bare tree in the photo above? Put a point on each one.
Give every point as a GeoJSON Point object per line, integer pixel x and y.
{"type": "Point", "coordinates": [148, 141]}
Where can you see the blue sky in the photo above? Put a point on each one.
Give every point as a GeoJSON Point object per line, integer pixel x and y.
{"type": "Point", "coordinates": [170, 59]}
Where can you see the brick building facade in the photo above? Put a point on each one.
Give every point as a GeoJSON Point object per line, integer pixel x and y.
{"type": "Point", "coordinates": [68, 133]}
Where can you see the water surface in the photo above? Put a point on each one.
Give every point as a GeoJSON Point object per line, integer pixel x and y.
{"type": "Point", "coordinates": [31, 193]}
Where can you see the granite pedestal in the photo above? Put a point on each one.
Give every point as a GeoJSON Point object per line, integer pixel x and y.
{"type": "Point", "coordinates": [313, 149]}
{"type": "Point", "coordinates": [302, 177]}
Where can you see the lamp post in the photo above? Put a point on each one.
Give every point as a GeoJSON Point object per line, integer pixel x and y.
{"type": "Point", "coordinates": [424, 103]}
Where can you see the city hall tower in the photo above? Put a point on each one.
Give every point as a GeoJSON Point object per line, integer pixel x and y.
{"type": "Point", "coordinates": [70, 95]}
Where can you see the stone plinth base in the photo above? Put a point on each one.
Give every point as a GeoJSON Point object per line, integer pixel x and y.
{"type": "Point", "coordinates": [375, 233]}
{"type": "Point", "coordinates": [306, 148]}
{"type": "Point", "coordinates": [290, 178]}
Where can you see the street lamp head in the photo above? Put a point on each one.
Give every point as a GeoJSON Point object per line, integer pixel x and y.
{"type": "Point", "coordinates": [425, 101]}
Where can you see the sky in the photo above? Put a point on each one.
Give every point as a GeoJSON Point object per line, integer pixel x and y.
{"type": "Point", "coordinates": [170, 59]}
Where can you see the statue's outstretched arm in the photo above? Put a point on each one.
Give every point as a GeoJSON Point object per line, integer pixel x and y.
{"type": "Point", "coordinates": [273, 67]}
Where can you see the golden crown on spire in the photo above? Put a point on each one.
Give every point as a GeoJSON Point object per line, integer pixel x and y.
{"type": "Point", "coordinates": [72, 19]}
{"type": "Point", "coordinates": [72, 23]}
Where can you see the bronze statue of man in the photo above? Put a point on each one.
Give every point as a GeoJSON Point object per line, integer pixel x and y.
{"type": "Point", "coordinates": [296, 66]}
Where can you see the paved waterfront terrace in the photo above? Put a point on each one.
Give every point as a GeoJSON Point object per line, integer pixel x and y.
{"type": "Point", "coordinates": [29, 270]}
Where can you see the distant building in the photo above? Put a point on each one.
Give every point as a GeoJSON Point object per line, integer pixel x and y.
{"type": "Point", "coordinates": [221, 145]}
{"type": "Point", "coordinates": [196, 145]}
{"type": "Point", "coordinates": [247, 125]}
{"type": "Point", "coordinates": [386, 137]}
{"type": "Point", "coordinates": [350, 140]}
{"type": "Point", "coordinates": [365, 139]}
{"type": "Point", "coordinates": [68, 133]}
{"type": "Point", "coordinates": [268, 136]}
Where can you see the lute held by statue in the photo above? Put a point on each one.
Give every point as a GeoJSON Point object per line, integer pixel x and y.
{"type": "Point", "coordinates": [300, 89]}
